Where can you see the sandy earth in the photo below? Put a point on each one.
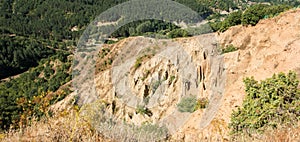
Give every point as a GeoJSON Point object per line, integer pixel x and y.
{"type": "Point", "coordinates": [272, 46]}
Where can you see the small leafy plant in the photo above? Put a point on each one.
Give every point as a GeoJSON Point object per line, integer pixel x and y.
{"type": "Point", "coordinates": [139, 60]}
{"type": "Point", "coordinates": [140, 109]}
{"type": "Point", "coordinates": [228, 48]}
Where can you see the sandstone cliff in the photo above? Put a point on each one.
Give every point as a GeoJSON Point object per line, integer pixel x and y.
{"type": "Point", "coordinates": [272, 46]}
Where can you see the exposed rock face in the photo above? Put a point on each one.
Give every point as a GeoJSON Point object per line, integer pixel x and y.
{"type": "Point", "coordinates": [272, 46]}
{"type": "Point", "coordinates": [156, 74]}
{"type": "Point", "coordinates": [163, 75]}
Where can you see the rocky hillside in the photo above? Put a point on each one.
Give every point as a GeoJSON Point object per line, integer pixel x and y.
{"type": "Point", "coordinates": [153, 76]}
{"type": "Point", "coordinates": [270, 47]}
{"type": "Point", "coordinates": [142, 81]}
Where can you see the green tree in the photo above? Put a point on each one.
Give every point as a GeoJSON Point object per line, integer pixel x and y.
{"type": "Point", "coordinates": [178, 33]}
{"type": "Point", "coordinates": [144, 27]}
{"type": "Point", "coordinates": [232, 20]}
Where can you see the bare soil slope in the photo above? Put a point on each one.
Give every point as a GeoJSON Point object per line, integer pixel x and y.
{"type": "Point", "coordinates": [272, 46]}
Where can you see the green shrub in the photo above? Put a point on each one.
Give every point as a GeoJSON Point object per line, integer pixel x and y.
{"type": "Point", "coordinates": [215, 26]}
{"type": "Point", "coordinates": [139, 60]}
{"type": "Point", "coordinates": [270, 103]}
{"type": "Point", "coordinates": [232, 20]}
{"type": "Point", "coordinates": [187, 104]}
{"type": "Point", "coordinates": [153, 129]}
{"type": "Point", "coordinates": [275, 10]}
{"type": "Point", "coordinates": [110, 42]}
{"type": "Point", "coordinates": [140, 109]}
{"type": "Point", "coordinates": [138, 63]}
{"type": "Point", "coordinates": [253, 14]}
{"type": "Point", "coordinates": [229, 48]}
{"type": "Point", "coordinates": [178, 33]}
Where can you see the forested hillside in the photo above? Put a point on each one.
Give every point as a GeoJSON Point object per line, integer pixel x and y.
{"type": "Point", "coordinates": [60, 23]}
{"type": "Point", "coordinates": [38, 37]}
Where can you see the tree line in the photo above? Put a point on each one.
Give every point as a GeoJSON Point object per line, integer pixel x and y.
{"type": "Point", "coordinates": [250, 16]}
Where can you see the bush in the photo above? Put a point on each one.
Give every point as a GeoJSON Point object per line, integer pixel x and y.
{"type": "Point", "coordinates": [201, 103]}
{"type": "Point", "coordinates": [215, 26]}
{"type": "Point", "coordinates": [139, 60]}
{"type": "Point", "coordinates": [275, 10]}
{"type": "Point", "coordinates": [270, 103]}
{"type": "Point", "coordinates": [187, 104]}
{"type": "Point", "coordinates": [154, 129]}
{"type": "Point", "coordinates": [229, 48]}
{"type": "Point", "coordinates": [253, 14]}
{"type": "Point", "coordinates": [178, 33]}
{"type": "Point", "coordinates": [143, 110]}
{"type": "Point", "coordinates": [138, 63]}
{"type": "Point", "coordinates": [110, 42]}
{"type": "Point", "coordinates": [232, 20]}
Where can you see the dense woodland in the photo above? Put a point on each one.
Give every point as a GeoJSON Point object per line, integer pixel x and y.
{"type": "Point", "coordinates": [21, 53]}
{"type": "Point", "coordinates": [33, 91]}
{"type": "Point", "coordinates": [37, 36]}
{"type": "Point", "coordinates": [152, 28]}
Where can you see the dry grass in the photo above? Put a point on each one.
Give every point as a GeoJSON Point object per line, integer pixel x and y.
{"type": "Point", "coordinates": [120, 130]}
{"type": "Point", "coordinates": [88, 124]}
{"type": "Point", "coordinates": [68, 126]}
{"type": "Point", "coordinates": [281, 134]}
